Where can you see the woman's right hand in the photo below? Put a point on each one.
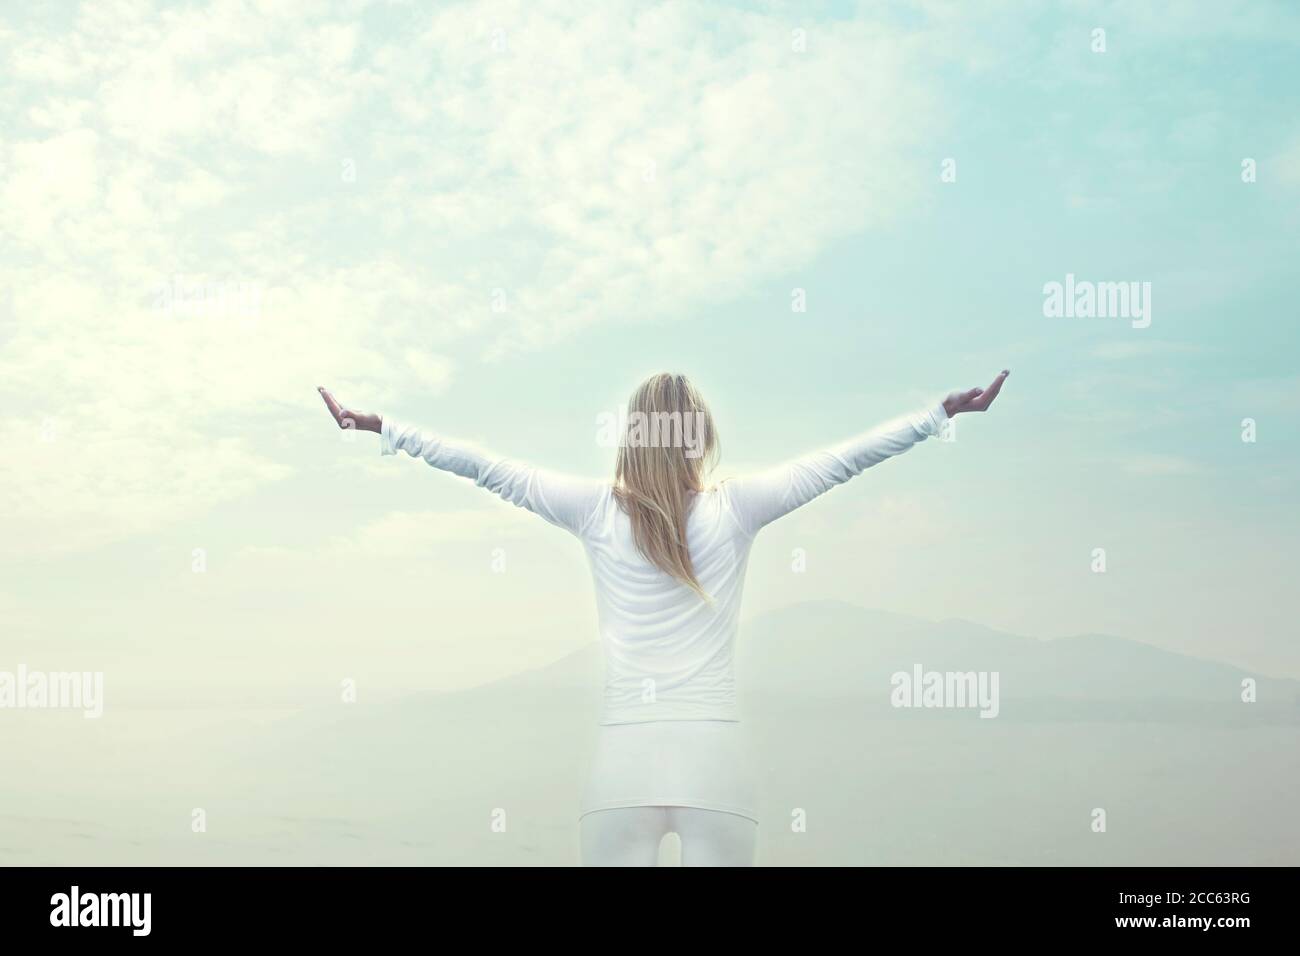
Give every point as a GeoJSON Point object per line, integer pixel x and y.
{"type": "Point", "coordinates": [347, 418]}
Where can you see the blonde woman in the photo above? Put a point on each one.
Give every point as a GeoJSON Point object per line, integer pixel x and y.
{"type": "Point", "coordinates": [668, 555]}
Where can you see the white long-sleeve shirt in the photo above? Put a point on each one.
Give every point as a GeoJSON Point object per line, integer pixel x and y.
{"type": "Point", "coordinates": [668, 654]}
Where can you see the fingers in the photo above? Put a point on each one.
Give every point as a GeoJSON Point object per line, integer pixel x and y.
{"type": "Point", "coordinates": [331, 404]}
{"type": "Point", "coordinates": [990, 393]}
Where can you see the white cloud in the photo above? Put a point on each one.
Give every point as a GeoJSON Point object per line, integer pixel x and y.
{"type": "Point", "coordinates": [414, 533]}
{"type": "Point", "coordinates": [434, 371]}
{"type": "Point", "coordinates": [634, 164]}
{"type": "Point", "coordinates": [1278, 394]}
{"type": "Point", "coordinates": [403, 535]}
{"type": "Point", "coordinates": [1286, 165]}
{"type": "Point", "coordinates": [49, 180]}
{"type": "Point", "coordinates": [641, 177]}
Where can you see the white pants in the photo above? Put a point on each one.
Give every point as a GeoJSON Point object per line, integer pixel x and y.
{"type": "Point", "coordinates": [630, 836]}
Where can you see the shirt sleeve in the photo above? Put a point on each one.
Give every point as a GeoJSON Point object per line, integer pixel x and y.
{"type": "Point", "coordinates": [759, 499]}
{"type": "Point", "coordinates": [562, 500]}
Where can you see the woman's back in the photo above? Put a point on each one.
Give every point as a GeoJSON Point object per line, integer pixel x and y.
{"type": "Point", "coordinates": [668, 653]}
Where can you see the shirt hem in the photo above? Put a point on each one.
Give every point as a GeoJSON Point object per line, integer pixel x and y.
{"type": "Point", "coordinates": [745, 812]}
{"type": "Point", "coordinates": [615, 722]}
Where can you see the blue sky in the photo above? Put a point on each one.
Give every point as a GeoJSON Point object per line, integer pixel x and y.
{"type": "Point", "coordinates": [637, 189]}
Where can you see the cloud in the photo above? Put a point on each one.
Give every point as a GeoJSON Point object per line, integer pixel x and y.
{"type": "Point", "coordinates": [1286, 165]}
{"type": "Point", "coordinates": [413, 533]}
{"type": "Point", "coordinates": [434, 371]}
{"type": "Point", "coordinates": [50, 180]}
{"type": "Point", "coordinates": [1277, 394]}
{"type": "Point", "coordinates": [399, 191]}
{"type": "Point", "coordinates": [640, 177]}
{"type": "Point", "coordinates": [398, 536]}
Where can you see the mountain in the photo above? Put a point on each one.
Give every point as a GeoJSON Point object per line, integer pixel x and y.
{"type": "Point", "coordinates": [1185, 772]}
{"type": "Point", "coordinates": [832, 650]}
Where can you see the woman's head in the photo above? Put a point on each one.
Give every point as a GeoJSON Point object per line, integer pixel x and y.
{"type": "Point", "coordinates": [663, 458]}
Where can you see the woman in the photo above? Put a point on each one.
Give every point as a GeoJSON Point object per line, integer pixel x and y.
{"type": "Point", "coordinates": [668, 556]}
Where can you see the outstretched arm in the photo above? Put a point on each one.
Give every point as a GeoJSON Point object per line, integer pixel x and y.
{"type": "Point", "coordinates": [760, 499]}
{"type": "Point", "coordinates": [562, 500]}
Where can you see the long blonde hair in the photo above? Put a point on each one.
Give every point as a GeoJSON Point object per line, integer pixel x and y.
{"type": "Point", "coordinates": [657, 474]}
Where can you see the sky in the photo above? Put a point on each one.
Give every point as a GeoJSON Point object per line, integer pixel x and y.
{"type": "Point", "coordinates": [493, 219]}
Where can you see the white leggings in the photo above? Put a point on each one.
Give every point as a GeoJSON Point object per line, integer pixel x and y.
{"type": "Point", "coordinates": [630, 836]}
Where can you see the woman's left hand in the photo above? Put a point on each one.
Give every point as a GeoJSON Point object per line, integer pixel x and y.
{"type": "Point", "coordinates": [977, 399]}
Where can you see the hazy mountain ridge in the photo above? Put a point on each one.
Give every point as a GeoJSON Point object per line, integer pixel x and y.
{"type": "Point", "coordinates": [838, 649]}
{"type": "Point", "coordinates": [1186, 773]}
